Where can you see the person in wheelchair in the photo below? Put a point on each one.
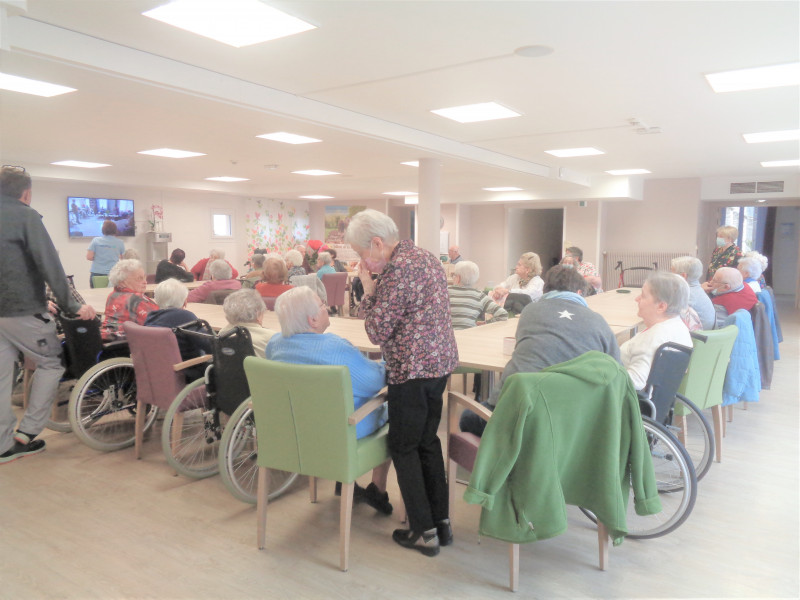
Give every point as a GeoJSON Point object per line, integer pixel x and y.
{"type": "Point", "coordinates": [170, 295]}
{"type": "Point", "coordinates": [127, 301]}
{"type": "Point", "coordinates": [302, 340]}
{"type": "Point", "coordinates": [246, 309]}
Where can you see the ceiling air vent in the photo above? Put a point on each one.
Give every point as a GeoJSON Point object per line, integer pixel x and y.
{"type": "Point", "coordinates": [757, 187]}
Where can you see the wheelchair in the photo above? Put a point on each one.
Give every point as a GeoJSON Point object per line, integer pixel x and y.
{"type": "Point", "coordinates": [209, 426]}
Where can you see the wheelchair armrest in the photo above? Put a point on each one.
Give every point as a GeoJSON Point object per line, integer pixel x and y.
{"type": "Point", "coordinates": [192, 362]}
{"type": "Point", "coordinates": [115, 345]}
{"type": "Point", "coordinates": [366, 408]}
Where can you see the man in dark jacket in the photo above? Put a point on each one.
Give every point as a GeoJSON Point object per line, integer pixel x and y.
{"type": "Point", "coordinates": [28, 259]}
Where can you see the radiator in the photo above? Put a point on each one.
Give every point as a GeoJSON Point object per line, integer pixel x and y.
{"type": "Point", "coordinates": [615, 262]}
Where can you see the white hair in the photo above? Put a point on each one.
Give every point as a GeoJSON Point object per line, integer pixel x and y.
{"type": "Point", "coordinates": [122, 270]}
{"type": "Point", "coordinates": [671, 289]}
{"type": "Point", "coordinates": [750, 266]}
{"type": "Point", "coordinates": [131, 253]}
{"type": "Point", "coordinates": [760, 257]}
{"type": "Point", "coordinates": [294, 307]}
{"type": "Point", "coordinates": [294, 258]}
{"type": "Point", "coordinates": [216, 254]}
{"type": "Point", "coordinates": [689, 265]}
{"type": "Point", "coordinates": [325, 258]}
{"type": "Point", "coordinates": [243, 306]}
{"type": "Point", "coordinates": [468, 272]}
{"type": "Point", "coordinates": [368, 224]}
{"type": "Point", "coordinates": [171, 293]}
{"type": "Point", "coordinates": [219, 269]}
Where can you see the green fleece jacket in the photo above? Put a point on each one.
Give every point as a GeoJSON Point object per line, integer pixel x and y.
{"type": "Point", "coordinates": [570, 434]}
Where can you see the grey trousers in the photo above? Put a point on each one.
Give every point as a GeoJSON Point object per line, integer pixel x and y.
{"type": "Point", "coordinates": [35, 336]}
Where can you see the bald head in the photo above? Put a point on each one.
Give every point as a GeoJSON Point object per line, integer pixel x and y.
{"type": "Point", "coordinates": [727, 279]}
{"type": "Point", "coordinates": [453, 252]}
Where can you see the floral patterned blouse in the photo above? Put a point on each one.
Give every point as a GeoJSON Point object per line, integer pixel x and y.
{"type": "Point", "coordinates": [728, 257]}
{"type": "Point", "coordinates": [409, 316]}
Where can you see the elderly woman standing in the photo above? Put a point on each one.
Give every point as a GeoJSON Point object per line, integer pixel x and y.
{"type": "Point", "coordinates": [525, 280]}
{"type": "Point", "coordinates": [691, 269]}
{"type": "Point", "coordinates": [127, 301]}
{"type": "Point", "coordinates": [245, 308]}
{"type": "Point", "coordinates": [468, 304]}
{"type": "Point", "coordinates": [221, 279]}
{"type": "Point", "coordinates": [104, 252]}
{"type": "Point", "coordinates": [726, 253]}
{"type": "Point", "coordinates": [663, 297]}
{"type": "Point", "coordinates": [407, 312]}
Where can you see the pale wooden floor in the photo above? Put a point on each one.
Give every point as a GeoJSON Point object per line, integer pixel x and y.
{"type": "Point", "coordinates": [80, 524]}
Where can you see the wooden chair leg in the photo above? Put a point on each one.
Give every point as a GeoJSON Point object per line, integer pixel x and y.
{"type": "Point", "coordinates": [730, 413]}
{"type": "Point", "coordinates": [602, 545]}
{"type": "Point", "coordinates": [513, 567]}
{"type": "Point", "coordinates": [680, 423]}
{"type": "Point", "coordinates": [345, 519]}
{"type": "Point", "coordinates": [312, 489]}
{"type": "Point", "coordinates": [261, 505]}
{"type": "Point", "coordinates": [719, 427]}
{"type": "Point", "coordinates": [141, 411]}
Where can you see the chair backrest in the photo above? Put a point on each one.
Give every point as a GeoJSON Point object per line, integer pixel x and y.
{"type": "Point", "coordinates": [218, 296]}
{"type": "Point", "coordinates": [227, 381]}
{"type": "Point", "coordinates": [269, 302]}
{"type": "Point", "coordinates": [705, 377]}
{"type": "Point", "coordinates": [301, 418]}
{"type": "Point", "coordinates": [312, 281]}
{"type": "Point", "coordinates": [666, 372]}
{"type": "Point", "coordinates": [335, 284]}
{"type": "Point", "coordinates": [100, 281]}
{"type": "Point", "coordinates": [516, 302]}
{"type": "Point", "coordinates": [82, 345]}
{"type": "Point", "coordinates": [153, 351]}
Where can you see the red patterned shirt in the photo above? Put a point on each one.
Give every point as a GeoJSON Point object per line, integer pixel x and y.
{"type": "Point", "coordinates": [409, 316]}
{"type": "Point", "coordinates": [124, 304]}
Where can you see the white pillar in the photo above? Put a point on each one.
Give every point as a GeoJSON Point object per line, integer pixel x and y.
{"type": "Point", "coordinates": [428, 209]}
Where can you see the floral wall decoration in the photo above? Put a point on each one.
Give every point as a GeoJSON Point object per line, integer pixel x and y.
{"type": "Point", "coordinates": [274, 225]}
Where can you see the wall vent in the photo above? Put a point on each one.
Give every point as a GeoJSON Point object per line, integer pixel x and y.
{"type": "Point", "coordinates": [757, 187]}
{"type": "Point", "coordinates": [765, 187]}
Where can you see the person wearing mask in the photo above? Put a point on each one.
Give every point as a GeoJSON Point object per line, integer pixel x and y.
{"type": "Point", "coordinates": [726, 253]}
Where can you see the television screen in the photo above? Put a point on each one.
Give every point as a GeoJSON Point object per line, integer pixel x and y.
{"type": "Point", "coordinates": [86, 215]}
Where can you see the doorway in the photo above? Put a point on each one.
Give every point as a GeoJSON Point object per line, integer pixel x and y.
{"type": "Point", "coordinates": [538, 230]}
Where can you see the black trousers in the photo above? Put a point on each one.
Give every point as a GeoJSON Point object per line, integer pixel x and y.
{"type": "Point", "coordinates": [415, 410]}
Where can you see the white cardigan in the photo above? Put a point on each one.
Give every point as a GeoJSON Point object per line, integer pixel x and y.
{"type": "Point", "coordinates": [534, 288]}
{"type": "Point", "coordinates": [637, 353]}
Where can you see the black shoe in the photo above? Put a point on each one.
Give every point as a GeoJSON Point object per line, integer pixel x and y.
{"type": "Point", "coordinates": [445, 532]}
{"type": "Point", "coordinates": [19, 450]}
{"type": "Point", "coordinates": [426, 542]}
{"type": "Point", "coordinates": [358, 491]}
{"type": "Point", "coordinates": [377, 500]}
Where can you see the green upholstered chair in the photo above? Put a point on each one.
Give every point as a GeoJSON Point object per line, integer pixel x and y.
{"type": "Point", "coordinates": [705, 377]}
{"type": "Point", "coordinates": [100, 281]}
{"type": "Point", "coordinates": [306, 424]}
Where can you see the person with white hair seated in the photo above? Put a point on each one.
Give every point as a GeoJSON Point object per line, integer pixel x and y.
{"type": "Point", "coordinates": [468, 304]}
{"type": "Point", "coordinates": [221, 279]}
{"type": "Point", "coordinates": [751, 269]}
{"type": "Point", "coordinates": [302, 340]}
{"type": "Point", "coordinates": [728, 291]}
{"type": "Point", "coordinates": [325, 260]}
{"type": "Point", "coordinates": [246, 309]}
{"type": "Point", "coordinates": [294, 262]}
{"type": "Point", "coordinates": [127, 301]}
{"type": "Point", "coordinates": [663, 297]}
{"type": "Point", "coordinates": [691, 269]}
{"type": "Point", "coordinates": [201, 269]}
{"type": "Point", "coordinates": [764, 264]}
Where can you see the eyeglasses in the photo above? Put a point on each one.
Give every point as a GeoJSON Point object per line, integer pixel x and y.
{"type": "Point", "coordinates": [16, 168]}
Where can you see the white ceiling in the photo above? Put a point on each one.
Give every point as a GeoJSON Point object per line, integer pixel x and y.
{"type": "Point", "coordinates": [366, 80]}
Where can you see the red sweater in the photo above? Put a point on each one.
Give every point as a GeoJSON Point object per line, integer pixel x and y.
{"type": "Point", "coordinates": [733, 301]}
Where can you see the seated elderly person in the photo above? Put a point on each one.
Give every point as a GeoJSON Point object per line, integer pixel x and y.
{"type": "Point", "coordinates": [170, 295]}
{"type": "Point", "coordinates": [325, 262]}
{"type": "Point", "coordinates": [763, 260]}
{"type": "Point", "coordinates": [468, 304]}
{"type": "Point", "coordinates": [751, 269]}
{"type": "Point", "coordinates": [274, 279]}
{"type": "Point", "coordinates": [221, 279]}
{"type": "Point", "coordinates": [524, 280]}
{"type": "Point", "coordinates": [302, 340]}
{"type": "Point", "coordinates": [556, 329]}
{"type": "Point", "coordinates": [174, 268]}
{"type": "Point", "coordinates": [127, 301]}
{"type": "Point", "coordinates": [294, 262]}
{"type": "Point", "coordinates": [200, 269]}
{"type": "Point", "coordinates": [586, 269]}
{"type": "Point", "coordinates": [257, 266]}
{"type": "Point", "coordinates": [245, 308]}
{"type": "Point", "coordinates": [663, 297]}
{"type": "Point", "coordinates": [337, 264]}
{"type": "Point", "coordinates": [691, 269]}
{"type": "Point", "coordinates": [594, 281]}
{"type": "Point", "coordinates": [729, 293]}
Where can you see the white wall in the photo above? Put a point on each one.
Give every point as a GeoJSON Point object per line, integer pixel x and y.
{"type": "Point", "coordinates": [581, 229]}
{"type": "Point", "coordinates": [787, 246]}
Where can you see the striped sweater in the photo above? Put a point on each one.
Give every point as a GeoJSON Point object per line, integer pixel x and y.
{"type": "Point", "coordinates": [468, 304]}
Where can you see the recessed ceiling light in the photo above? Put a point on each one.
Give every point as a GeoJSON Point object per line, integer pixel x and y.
{"type": "Point", "coordinates": [411, 200]}
{"type": "Point", "coordinates": [628, 172]}
{"type": "Point", "coordinates": [227, 179]}
{"type": "Point", "coordinates": [317, 197]}
{"type": "Point", "coordinates": [315, 172]}
{"type": "Point", "coordinates": [399, 193]}
{"type": "Point", "coordinates": [288, 138]}
{"type": "Point", "coordinates": [80, 163]}
{"type": "Point", "coordinates": [503, 189]}
{"type": "Point", "coordinates": [171, 153]}
{"type": "Point", "coordinates": [755, 79]}
{"type": "Point", "coordinates": [772, 136]}
{"type": "Point", "coordinates": [761, 200]}
{"type": "Point", "coordinates": [781, 163]}
{"type": "Point", "coordinates": [472, 113]}
{"type": "Point", "coordinates": [234, 22]}
{"type": "Point", "coordinates": [411, 163]}
{"type": "Point", "coordinates": [572, 152]}
{"type": "Point", "coordinates": [13, 83]}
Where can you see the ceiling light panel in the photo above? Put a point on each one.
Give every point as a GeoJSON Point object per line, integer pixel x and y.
{"type": "Point", "coordinates": [171, 153]}
{"type": "Point", "coordinates": [781, 163]}
{"type": "Point", "coordinates": [399, 193]}
{"type": "Point", "coordinates": [472, 113]}
{"type": "Point", "coordinates": [80, 163]}
{"type": "Point", "coordinates": [237, 23]}
{"type": "Point", "coordinates": [288, 138]}
{"type": "Point", "coordinates": [315, 172]}
{"type": "Point", "coordinates": [573, 152]}
{"type": "Point", "coordinates": [503, 189]}
{"type": "Point", "coordinates": [14, 83]}
{"type": "Point", "coordinates": [226, 179]}
{"type": "Point", "coordinates": [772, 136]}
{"type": "Point", "coordinates": [628, 172]}
{"type": "Point", "coordinates": [317, 197]}
{"type": "Point", "coordinates": [411, 163]}
{"type": "Point", "coordinates": [755, 79]}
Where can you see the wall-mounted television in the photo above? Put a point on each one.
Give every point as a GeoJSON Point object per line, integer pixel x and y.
{"type": "Point", "coordinates": [86, 215]}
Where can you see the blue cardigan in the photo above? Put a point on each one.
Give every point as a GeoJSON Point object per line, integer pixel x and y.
{"type": "Point", "coordinates": [743, 379]}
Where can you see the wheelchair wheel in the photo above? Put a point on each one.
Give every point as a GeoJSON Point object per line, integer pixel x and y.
{"type": "Point", "coordinates": [190, 437]}
{"type": "Point", "coordinates": [102, 406]}
{"type": "Point", "coordinates": [699, 437]}
{"type": "Point", "coordinates": [676, 482]}
{"type": "Point", "coordinates": [237, 459]}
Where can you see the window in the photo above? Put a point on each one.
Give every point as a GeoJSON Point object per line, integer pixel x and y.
{"type": "Point", "coordinates": [221, 225]}
{"type": "Point", "coordinates": [750, 222]}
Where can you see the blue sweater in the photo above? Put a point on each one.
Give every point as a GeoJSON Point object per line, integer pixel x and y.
{"type": "Point", "coordinates": [368, 376]}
